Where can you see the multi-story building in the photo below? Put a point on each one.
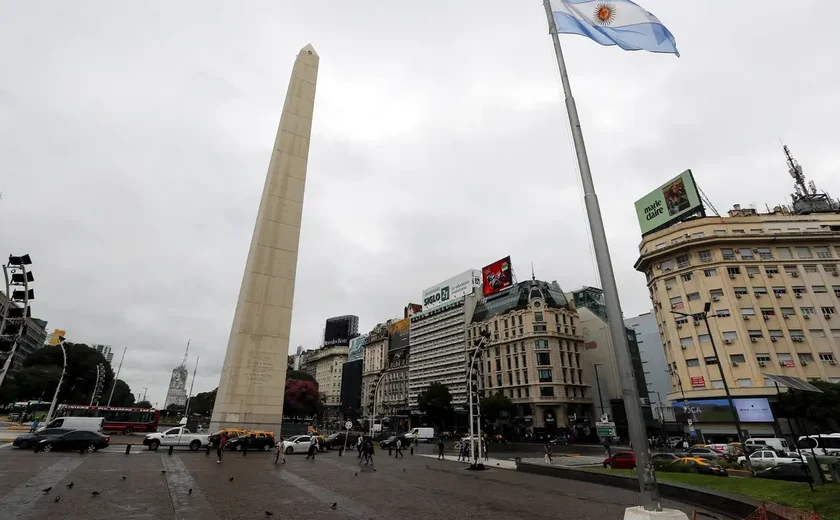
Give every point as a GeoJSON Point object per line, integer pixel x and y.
{"type": "Point", "coordinates": [33, 338]}
{"type": "Point", "coordinates": [105, 350]}
{"type": "Point", "coordinates": [327, 364]}
{"type": "Point", "coordinates": [374, 361]}
{"type": "Point", "coordinates": [535, 356]}
{"type": "Point", "coordinates": [773, 285]}
{"type": "Point", "coordinates": [176, 394]}
{"type": "Point", "coordinates": [55, 336]}
{"type": "Point", "coordinates": [394, 390]}
{"type": "Point", "coordinates": [652, 354]}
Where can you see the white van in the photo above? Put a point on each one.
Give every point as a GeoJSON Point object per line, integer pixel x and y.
{"type": "Point", "coordinates": [91, 424]}
{"type": "Point", "coordinates": [824, 444]}
{"type": "Point", "coordinates": [422, 434]}
{"type": "Point", "coordinates": [773, 443]}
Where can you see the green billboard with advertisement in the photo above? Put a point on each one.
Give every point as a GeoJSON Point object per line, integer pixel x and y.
{"type": "Point", "coordinates": [673, 201]}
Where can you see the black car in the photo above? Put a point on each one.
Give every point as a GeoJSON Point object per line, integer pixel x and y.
{"type": "Point", "coordinates": [664, 457]}
{"type": "Point", "coordinates": [789, 472]}
{"type": "Point", "coordinates": [30, 440]}
{"type": "Point", "coordinates": [391, 441]}
{"type": "Point", "coordinates": [254, 442]}
{"type": "Point", "coordinates": [336, 440]}
{"type": "Point", "coordinates": [76, 440]}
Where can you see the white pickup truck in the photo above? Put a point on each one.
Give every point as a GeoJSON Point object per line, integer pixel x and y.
{"type": "Point", "coordinates": [176, 437]}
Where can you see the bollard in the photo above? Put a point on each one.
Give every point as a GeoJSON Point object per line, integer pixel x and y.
{"type": "Point", "coordinates": [170, 449]}
{"type": "Point", "coordinates": [340, 451]}
{"type": "Point", "coordinates": [127, 449]}
{"type": "Point", "coordinates": [389, 450]}
{"type": "Point", "coordinates": [207, 452]}
{"type": "Point", "coordinates": [412, 450]}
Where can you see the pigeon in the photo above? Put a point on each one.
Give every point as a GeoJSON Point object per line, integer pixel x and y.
{"type": "Point", "coordinates": [95, 494]}
{"type": "Point", "coordinates": [47, 490]}
{"type": "Point", "coordinates": [403, 470]}
{"type": "Point", "coordinates": [163, 471]}
{"type": "Point", "coordinates": [189, 492]}
{"type": "Point", "coordinates": [57, 498]}
{"type": "Point", "coordinates": [123, 477]}
{"type": "Point", "coordinates": [70, 485]}
{"type": "Point", "coordinates": [269, 513]}
{"type": "Point", "coordinates": [230, 479]}
{"type": "Point", "coordinates": [357, 474]}
{"type": "Point", "coordinates": [334, 505]}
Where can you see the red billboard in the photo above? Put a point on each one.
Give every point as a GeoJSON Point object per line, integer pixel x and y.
{"type": "Point", "coordinates": [497, 276]}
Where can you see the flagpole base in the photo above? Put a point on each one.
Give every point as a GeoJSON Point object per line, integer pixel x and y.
{"type": "Point", "coordinates": [640, 513]}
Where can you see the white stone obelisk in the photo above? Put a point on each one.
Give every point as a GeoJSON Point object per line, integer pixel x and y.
{"type": "Point", "coordinates": [253, 379]}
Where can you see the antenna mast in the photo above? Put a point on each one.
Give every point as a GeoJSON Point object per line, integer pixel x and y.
{"type": "Point", "coordinates": [184, 362]}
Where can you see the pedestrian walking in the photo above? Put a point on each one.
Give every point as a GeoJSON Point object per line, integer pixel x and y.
{"type": "Point", "coordinates": [367, 449]}
{"type": "Point", "coordinates": [440, 448]}
{"type": "Point", "coordinates": [34, 426]}
{"type": "Point", "coordinates": [398, 446]}
{"type": "Point", "coordinates": [221, 449]}
{"type": "Point", "coordinates": [245, 442]}
{"type": "Point", "coordinates": [359, 442]}
{"type": "Point", "coordinates": [313, 448]}
{"type": "Point", "coordinates": [484, 447]}
{"type": "Point", "coordinates": [279, 449]}
{"type": "Point", "coordinates": [547, 451]}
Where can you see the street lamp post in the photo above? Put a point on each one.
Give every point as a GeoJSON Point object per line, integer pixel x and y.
{"type": "Point", "coordinates": [704, 315]}
{"type": "Point", "coordinates": [601, 405]}
{"type": "Point", "coordinates": [13, 317]}
{"type": "Point", "coordinates": [60, 380]}
{"type": "Point", "coordinates": [479, 348]}
{"type": "Point", "coordinates": [661, 415]}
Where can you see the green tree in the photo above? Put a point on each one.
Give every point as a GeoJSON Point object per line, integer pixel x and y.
{"type": "Point", "coordinates": [436, 403]}
{"type": "Point", "coordinates": [143, 404]}
{"type": "Point", "coordinates": [173, 407]}
{"type": "Point", "coordinates": [820, 408]}
{"type": "Point", "coordinates": [122, 395]}
{"type": "Point", "coordinates": [37, 382]}
{"type": "Point", "coordinates": [297, 375]}
{"type": "Point", "coordinates": [80, 378]}
{"type": "Point", "coordinates": [495, 407]}
{"type": "Point", "coordinates": [203, 403]}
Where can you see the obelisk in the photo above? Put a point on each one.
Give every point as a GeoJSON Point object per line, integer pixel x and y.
{"type": "Point", "coordinates": [253, 379]}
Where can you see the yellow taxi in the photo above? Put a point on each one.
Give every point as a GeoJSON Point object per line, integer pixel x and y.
{"type": "Point", "coordinates": [696, 465]}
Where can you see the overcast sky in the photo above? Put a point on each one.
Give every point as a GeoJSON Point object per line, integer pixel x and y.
{"type": "Point", "coordinates": [134, 140]}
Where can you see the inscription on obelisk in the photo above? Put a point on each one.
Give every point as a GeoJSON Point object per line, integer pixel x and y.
{"type": "Point", "coordinates": [253, 379]}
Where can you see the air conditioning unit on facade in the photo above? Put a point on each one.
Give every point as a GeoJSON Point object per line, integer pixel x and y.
{"type": "Point", "coordinates": [778, 294]}
{"type": "Point", "coordinates": [696, 323]}
{"type": "Point", "coordinates": [753, 339]}
{"type": "Point", "coordinates": [827, 316]}
{"type": "Point", "coordinates": [751, 275]}
{"type": "Point", "coordinates": [806, 316]}
{"type": "Point", "coordinates": [769, 275]}
{"type": "Point", "coordinates": [786, 316]}
{"type": "Point", "coordinates": [795, 274]}
{"type": "Point", "coordinates": [658, 266]}
{"type": "Point", "coordinates": [758, 294]}
{"type": "Point", "coordinates": [782, 364]}
{"type": "Point", "coordinates": [715, 299]}
{"type": "Point", "coordinates": [766, 317]}
{"type": "Point", "coordinates": [734, 363]}
{"type": "Point", "coordinates": [727, 341]}
{"type": "Point", "coordinates": [762, 363]}
{"type": "Point", "coordinates": [832, 362]}
{"type": "Point", "coordinates": [732, 276]}
{"type": "Point", "coordinates": [746, 316]}
{"type": "Point", "coordinates": [804, 363]}
{"type": "Point", "coordinates": [774, 339]}
{"type": "Point", "coordinates": [798, 295]}
{"type": "Point", "coordinates": [738, 295]}
{"type": "Point", "coordinates": [679, 325]}
{"type": "Point", "coordinates": [683, 347]}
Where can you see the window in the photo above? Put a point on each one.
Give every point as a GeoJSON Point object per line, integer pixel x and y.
{"type": "Point", "coordinates": [705, 256]}
{"type": "Point", "coordinates": [748, 311]}
{"type": "Point", "coordinates": [787, 312]}
{"type": "Point", "coordinates": [737, 231]}
{"type": "Point", "coordinates": [693, 362]}
{"type": "Point", "coordinates": [746, 253]}
{"type": "Point", "coordinates": [784, 358]}
{"type": "Point", "coordinates": [538, 316]}
{"type": "Point", "coordinates": [733, 271]}
{"type": "Point", "coordinates": [743, 383]}
{"type": "Point", "coordinates": [693, 297]}
{"type": "Point", "coordinates": [764, 253]}
{"type": "Point", "coordinates": [525, 365]}
{"type": "Point", "coordinates": [835, 333]}
{"type": "Point", "coordinates": [710, 360]}
{"type": "Point", "coordinates": [682, 261]}
{"type": "Point", "coordinates": [545, 375]}
{"type": "Point", "coordinates": [546, 391]}
{"type": "Point", "coordinates": [805, 358]}
{"type": "Point", "coordinates": [728, 253]}
{"type": "Point", "coordinates": [792, 270]}
{"type": "Point", "coordinates": [710, 272]}
{"type": "Point", "coordinates": [776, 334]}
{"type": "Point", "coordinates": [681, 321]}
{"type": "Point", "coordinates": [766, 312]}
{"type": "Point", "coordinates": [771, 270]}
{"type": "Point", "coordinates": [754, 333]}
{"type": "Point", "coordinates": [810, 268]}
{"type": "Point", "coordinates": [759, 291]}
{"type": "Point", "coordinates": [826, 356]}
{"type": "Point", "coordinates": [730, 335]}
{"type": "Point", "coordinates": [704, 338]}
{"type": "Point", "coordinates": [543, 359]}
{"type": "Point", "coordinates": [823, 252]}
{"type": "Point", "coordinates": [518, 390]}
{"type": "Point", "coordinates": [784, 253]}
{"type": "Point", "coordinates": [698, 234]}
{"type": "Point", "coordinates": [836, 289]}
{"type": "Point", "coordinates": [752, 271]}
{"type": "Point", "coordinates": [797, 335]}
{"type": "Point", "coordinates": [498, 364]}
{"type": "Point", "coordinates": [687, 342]}
{"type": "Point", "coordinates": [819, 289]}
{"type": "Point", "coordinates": [807, 311]}
{"type": "Point", "coordinates": [737, 358]}
{"type": "Point", "coordinates": [717, 384]}
{"type": "Point", "coordinates": [769, 382]}
{"type": "Point", "coordinates": [520, 320]}
{"type": "Point", "coordinates": [687, 277]}
{"type": "Point", "coordinates": [716, 293]}
{"type": "Point", "coordinates": [527, 390]}
{"type": "Point", "coordinates": [498, 379]}
{"type": "Point", "coordinates": [778, 291]}
{"type": "Point", "coordinates": [828, 310]}
{"type": "Point", "coordinates": [762, 358]}
{"type": "Point", "coordinates": [798, 290]}
{"type": "Point", "coordinates": [669, 282]}
{"type": "Point", "coordinates": [508, 350]}
{"type": "Point", "coordinates": [803, 252]}
{"type": "Point", "coordinates": [541, 344]}
{"type": "Point", "coordinates": [516, 365]}
{"type": "Point", "coordinates": [740, 291]}
{"type": "Point", "coordinates": [676, 303]}
{"type": "Point", "coordinates": [540, 327]}
{"type": "Point", "coordinates": [720, 232]}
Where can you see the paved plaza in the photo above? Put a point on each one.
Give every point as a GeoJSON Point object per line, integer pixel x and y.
{"type": "Point", "coordinates": [194, 486]}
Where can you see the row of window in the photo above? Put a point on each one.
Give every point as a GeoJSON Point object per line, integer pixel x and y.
{"type": "Point", "coordinates": [749, 253]}
{"type": "Point", "coordinates": [731, 335]}
{"type": "Point", "coordinates": [753, 271]}
{"type": "Point", "coordinates": [785, 359]}
{"type": "Point", "coordinates": [676, 302]}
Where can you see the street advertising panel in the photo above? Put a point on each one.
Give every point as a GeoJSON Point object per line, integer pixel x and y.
{"type": "Point", "coordinates": [398, 334]}
{"type": "Point", "coordinates": [753, 410]}
{"type": "Point", "coordinates": [340, 329]}
{"type": "Point", "coordinates": [452, 289]}
{"type": "Point", "coordinates": [497, 276]}
{"type": "Point", "coordinates": [698, 382]}
{"type": "Point", "coordinates": [357, 349]}
{"type": "Point", "coordinates": [673, 201]}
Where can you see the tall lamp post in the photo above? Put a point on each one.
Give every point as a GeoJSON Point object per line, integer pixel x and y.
{"type": "Point", "coordinates": [704, 315]}
{"type": "Point", "coordinates": [601, 404]}
{"type": "Point", "coordinates": [479, 349]}
{"type": "Point", "coordinates": [60, 381]}
{"type": "Point", "coordinates": [13, 319]}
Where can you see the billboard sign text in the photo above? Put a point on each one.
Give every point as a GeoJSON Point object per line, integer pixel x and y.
{"type": "Point", "coordinates": [452, 289]}
{"type": "Point", "coordinates": [669, 203]}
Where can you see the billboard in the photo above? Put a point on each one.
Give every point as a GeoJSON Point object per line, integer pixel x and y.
{"type": "Point", "coordinates": [340, 329]}
{"type": "Point", "coordinates": [497, 276]}
{"type": "Point", "coordinates": [753, 410]}
{"type": "Point", "coordinates": [669, 203]}
{"type": "Point", "coordinates": [452, 289]}
{"type": "Point", "coordinates": [398, 334]}
{"type": "Point", "coordinates": [357, 349]}
{"type": "Point", "coordinates": [351, 387]}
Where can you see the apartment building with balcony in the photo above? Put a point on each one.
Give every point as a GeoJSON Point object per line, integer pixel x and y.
{"type": "Point", "coordinates": [773, 282]}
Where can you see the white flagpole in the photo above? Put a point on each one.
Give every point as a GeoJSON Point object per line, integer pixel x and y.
{"type": "Point", "coordinates": [632, 406]}
{"type": "Point", "coordinates": [114, 386]}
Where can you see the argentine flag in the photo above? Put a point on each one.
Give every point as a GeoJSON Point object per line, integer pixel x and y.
{"type": "Point", "coordinates": [613, 22]}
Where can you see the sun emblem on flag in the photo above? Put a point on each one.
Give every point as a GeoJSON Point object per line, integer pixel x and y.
{"type": "Point", "coordinates": [604, 13]}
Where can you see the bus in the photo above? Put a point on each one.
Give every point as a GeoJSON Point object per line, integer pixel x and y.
{"type": "Point", "coordinates": [823, 444]}
{"type": "Point", "coordinates": [117, 419]}
{"type": "Point", "coordinates": [24, 411]}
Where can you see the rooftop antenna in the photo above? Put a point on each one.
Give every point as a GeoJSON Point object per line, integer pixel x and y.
{"type": "Point", "coordinates": [533, 276]}
{"type": "Point", "coordinates": [795, 172]}
{"type": "Point", "coordinates": [184, 362]}
{"type": "Point", "coordinates": [706, 201]}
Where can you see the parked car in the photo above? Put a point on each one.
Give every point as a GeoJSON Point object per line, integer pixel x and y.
{"type": "Point", "coordinates": [767, 459]}
{"type": "Point", "coordinates": [772, 443]}
{"type": "Point", "coordinates": [93, 424]}
{"type": "Point", "coordinates": [499, 438]}
{"type": "Point", "coordinates": [297, 444]}
{"type": "Point", "coordinates": [706, 453]}
{"type": "Point", "coordinates": [76, 440]}
{"type": "Point", "coordinates": [621, 460]}
{"type": "Point", "coordinates": [230, 433]}
{"type": "Point", "coordinates": [262, 441]}
{"type": "Point", "coordinates": [559, 441]}
{"type": "Point", "coordinates": [176, 437]}
{"type": "Point", "coordinates": [424, 434]}
{"type": "Point", "coordinates": [697, 465]}
{"type": "Point", "coordinates": [391, 441]}
{"type": "Point", "coordinates": [336, 440]}
{"type": "Point", "coordinates": [664, 457]}
{"type": "Point", "coordinates": [30, 440]}
{"type": "Point", "coordinates": [789, 472]}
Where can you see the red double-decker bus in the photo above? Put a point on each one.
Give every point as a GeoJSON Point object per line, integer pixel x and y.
{"type": "Point", "coordinates": [117, 419]}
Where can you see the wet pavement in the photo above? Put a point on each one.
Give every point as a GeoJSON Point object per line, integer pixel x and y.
{"type": "Point", "coordinates": [191, 485]}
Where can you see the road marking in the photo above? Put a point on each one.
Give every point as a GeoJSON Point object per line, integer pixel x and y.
{"type": "Point", "coordinates": [23, 497]}
{"type": "Point", "coordinates": [185, 504]}
{"type": "Point", "coordinates": [6, 445]}
{"type": "Point", "coordinates": [328, 497]}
